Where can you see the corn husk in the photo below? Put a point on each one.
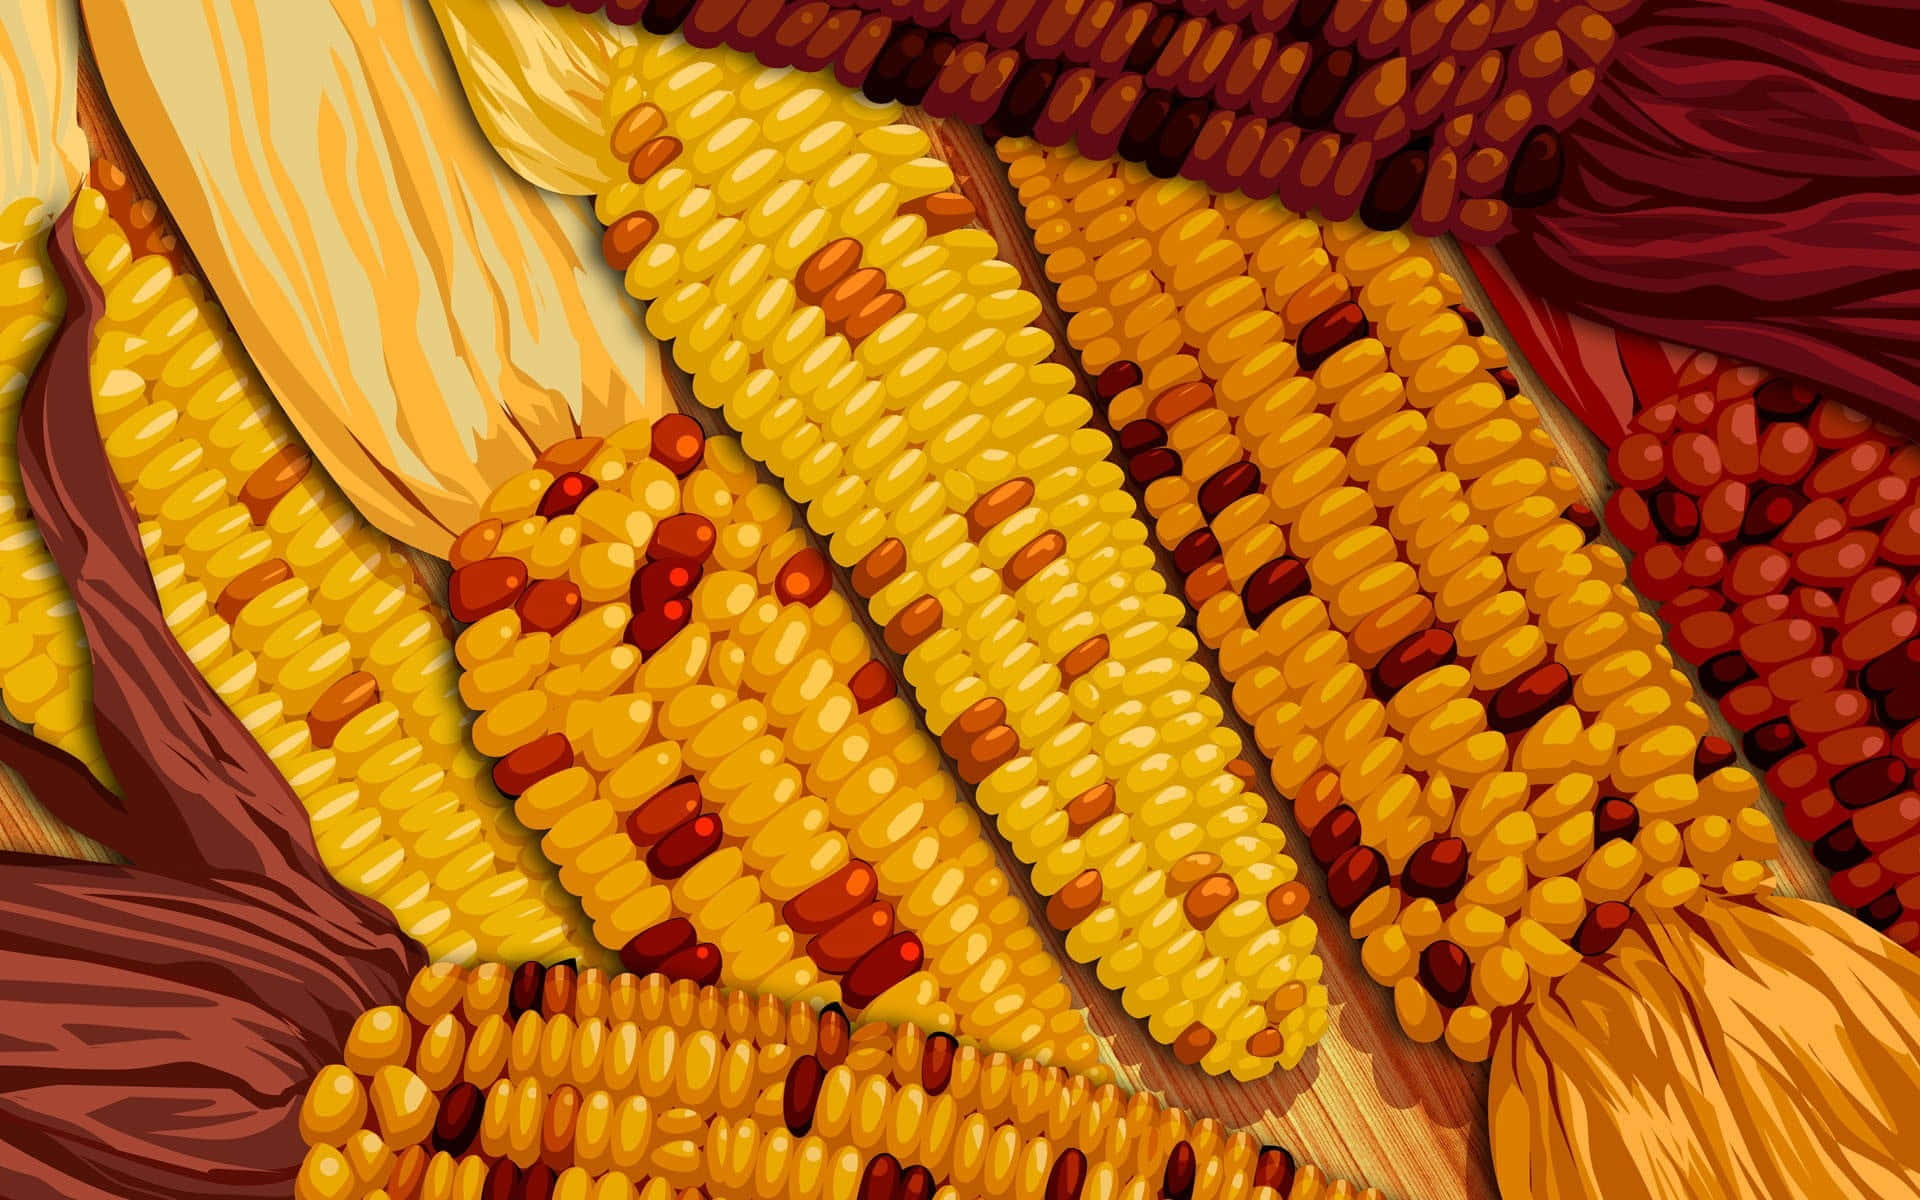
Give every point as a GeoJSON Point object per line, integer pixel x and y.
{"type": "Point", "coordinates": [1742, 1048]}
{"type": "Point", "coordinates": [425, 318]}
{"type": "Point", "coordinates": [42, 151]}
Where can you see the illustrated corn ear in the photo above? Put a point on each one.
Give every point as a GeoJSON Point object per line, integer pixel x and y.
{"type": "Point", "coordinates": [427, 321]}
{"type": "Point", "coordinates": [513, 1080]}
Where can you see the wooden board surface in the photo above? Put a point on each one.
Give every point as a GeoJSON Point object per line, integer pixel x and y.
{"type": "Point", "coordinates": [1367, 1104]}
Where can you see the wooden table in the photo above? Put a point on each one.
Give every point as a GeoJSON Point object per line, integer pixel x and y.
{"type": "Point", "coordinates": [1366, 1104]}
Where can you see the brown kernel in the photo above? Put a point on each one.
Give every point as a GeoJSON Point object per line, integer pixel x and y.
{"type": "Point", "coordinates": [569, 455]}
{"type": "Point", "coordinates": [476, 543]}
{"type": "Point", "coordinates": [830, 1043]}
{"type": "Point", "coordinates": [1286, 998]}
{"type": "Point", "coordinates": [548, 605]}
{"type": "Point", "coordinates": [1033, 557]}
{"type": "Point", "coordinates": [677, 443]}
{"type": "Point", "coordinates": [556, 1131]}
{"type": "Point", "coordinates": [825, 903]}
{"type": "Point", "coordinates": [1089, 808]}
{"type": "Point", "coordinates": [1208, 899]}
{"type": "Point", "coordinates": [872, 315]}
{"type": "Point", "coordinates": [1266, 1043]}
{"type": "Point", "coordinates": [1191, 870]}
{"type": "Point", "coordinates": [882, 565]}
{"type": "Point", "coordinates": [1076, 901]}
{"type": "Point", "coordinates": [345, 699]}
{"type": "Point", "coordinates": [851, 294]}
{"type": "Point", "coordinates": [989, 751]}
{"type": "Point", "coordinates": [529, 764]}
{"type": "Point", "coordinates": [825, 268]}
{"type": "Point", "coordinates": [487, 586]}
{"type": "Point", "coordinates": [653, 155]}
{"type": "Point", "coordinates": [635, 128]}
{"type": "Point", "coordinates": [273, 479]}
{"type": "Point", "coordinates": [943, 212]}
{"type": "Point", "coordinates": [1287, 901]}
{"type": "Point", "coordinates": [249, 584]}
{"type": "Point", "coordinates": [936, 1062]}
{"type": "Point", "coordinates": [1193, 1043]}
{"type": "Point", "coordinates": [1084, 657]}
{"type": "Point", "coordinates": [556, 997]}
{"type": "Point", "coordinates": [999, 503]}
{"type": "Point", "coordinates": [913, 625]}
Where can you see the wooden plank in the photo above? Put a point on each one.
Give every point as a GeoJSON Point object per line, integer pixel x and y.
{"type": "Point", "coordinates": [1367, 1104]}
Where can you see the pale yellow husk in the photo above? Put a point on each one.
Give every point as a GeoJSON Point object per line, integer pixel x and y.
{"type": "Point", "coordinates": [42, 151]}
{"type": "Point", "coordinates": [425, 318]}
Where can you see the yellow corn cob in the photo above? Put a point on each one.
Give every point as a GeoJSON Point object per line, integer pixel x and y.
{"type": "Point", "coordinates": [341, 667]}
{"type": "Point", "coordinates": [1461, 695]}
{"type": "Point", "coordinates": [783, 232]}
{"type": "Point", "coordinates": [43, 660]}
{"type": "Point", "coordinates": [579, 1086]}
{"type": "Point", "coordinates": [724, 775]}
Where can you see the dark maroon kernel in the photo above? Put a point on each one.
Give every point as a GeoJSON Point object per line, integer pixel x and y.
{"type": "Point", "coordinates": [1322, 90]}
{"type": "Point", "coordinates": [1769, 513]}
{"type": "Point", "coordinates": [1583, 518]}
{"type": "Point", "coordinates": [523, 993]}
{"type": "Point", "coordinates": [888, 74]}
{"type": "Point", "coordinates": [655, 583]}
{"type": "Point", "coordinates": [689, 842]}
{"type": "Point", "coordinates": [1883, 911]}
{"type": "Point", "coordinates": [1601, 928]}
{"type": "Point", "coordinates": [503, 1180]}
{"type": "Point", "coordinates": [1142, 133]}
{"type": "Point", "coordinates": [459, 1120]}
{"type": "Point", "coordinates": [917, 1183]}
{"type": "Point", "coordinates": [1522, 702]}
{"type": "Point", "coordinates": [1783, 400]}
{"type": "Point", "coordinates": [1869, 782]}
{"type": "Point", "coordinates": [1769, 743]}
{"type": "Point", "coordinates": [1307, 22]}
{"type": "Point", "coordinates": [1475, 326]}
{"type": "Point", "coordinates": [1509, 383]}
{"type": "Point", "coordinates": [1447, 972]}
{"type": "Point", "coordinates": [662, 17]}
{"type": "Point", "coordinates": [1153, 39]}
{"type": "Point", "coordinates": [1153, 464]}
{"type": "Point", "coordinates": [1274, 1168]}
{"type": "Point", "coordinates": [653, 628]}
{"type": "Point", "coordinates": [832, 1034]}
{"type": "Point", "coordinates": [1026, 97]}
{"type": "Point", "coordinates": [1068, 1176]}
{"type": "Point", "coordinates": [1337, 833]}
{"type": "Point", "coordinates": [1676, 515]}
{"type": "Point", "coordinates": [1395, 192]}
{"type": "Point", "coordinates": [1177, 135]}
{"type": "Point", "coordinates": [1615, 818]}
{"type": "Point", "coordinates": [564, 494]}
{"type": "Point", "coordinates": [1538, 167]}
{"type": "Point", "coordinates": [1724, 672]}
{"type": "Point", "coordinates": [652, 946]}
{"type": "Point", "coordinates": [1900, 707]}
{"type": "Point", "coordinates": [1892, 670]}
{"type": "Point", "coordinates": [1117, 378]}
{"type": "Point", "coordinates": [1711, 755]}
{"type": "Point", "coordinates": [1354, 876]}
{"type": "Point", "coordinates": [537, 1183]}
{"type": "Point", "coordinates": [1326, 333]}
{"type": "Point", "coordinates": [880, 1178]}
{"type": "Point", "coordinates": [1412, 657]}
{"type": "Point", "coordinates": [699, 963]}
{"type": "Point", "coordinates": [1195, 550]}
{"type": "Point", "coordinates": [1841, 848]}
{"type": "Point", "coordinates": [1176, 1182]}
{"type": "Point", "coordinates": [801, 1094]}
{"type": "Point", "coordinates": [1436, 871]}
{"type": "Point", "coordinates": [1138, 437]}
{"type": "Point", "coordinates": [936, 1062]}
{"type": "Point", "coordinates": [926, 68]}
{"type": "Point", "coordinates": [1272, 585]}
{"type": "Point", "coordinates": [1228, 484]}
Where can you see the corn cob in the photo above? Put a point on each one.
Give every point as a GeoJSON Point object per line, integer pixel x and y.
{"type": "Point", "coordinates": [1481, 731]}
{"type": "Point", "coordinates": [983, 527]}
{"type": "Point", "coordinates": [43, 660]}
{"type": "Point", "coordinates": [680, 700]}
{"type": "Point", "coordinates": [1447, 116]}
{"type": "Point", "coordinates": [562, 1085]}
{"type": "Point", "coordinates": [311, 627]}
{"type": "Point", "coordinates": [1779, 533]}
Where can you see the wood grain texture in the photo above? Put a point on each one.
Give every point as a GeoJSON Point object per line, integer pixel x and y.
{"type": "Point", "coordinates": [1367, 1104]}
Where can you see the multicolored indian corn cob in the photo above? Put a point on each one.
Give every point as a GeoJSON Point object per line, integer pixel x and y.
{"type": "Point", "coordinates": [1447, 116]}
{"type": "Point", "coordinates": [551, 1084]}
{"type": "Point", "coordinates": [818, 276]}
{"type": "Point", "coordinates": [311, 626]}
{"type": "Point", "coordinates": [1479, 728]}
{"type": "Point", "coordinates": [679, 698]}
{"type": "Point", "coordinates": [1779, 532]}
